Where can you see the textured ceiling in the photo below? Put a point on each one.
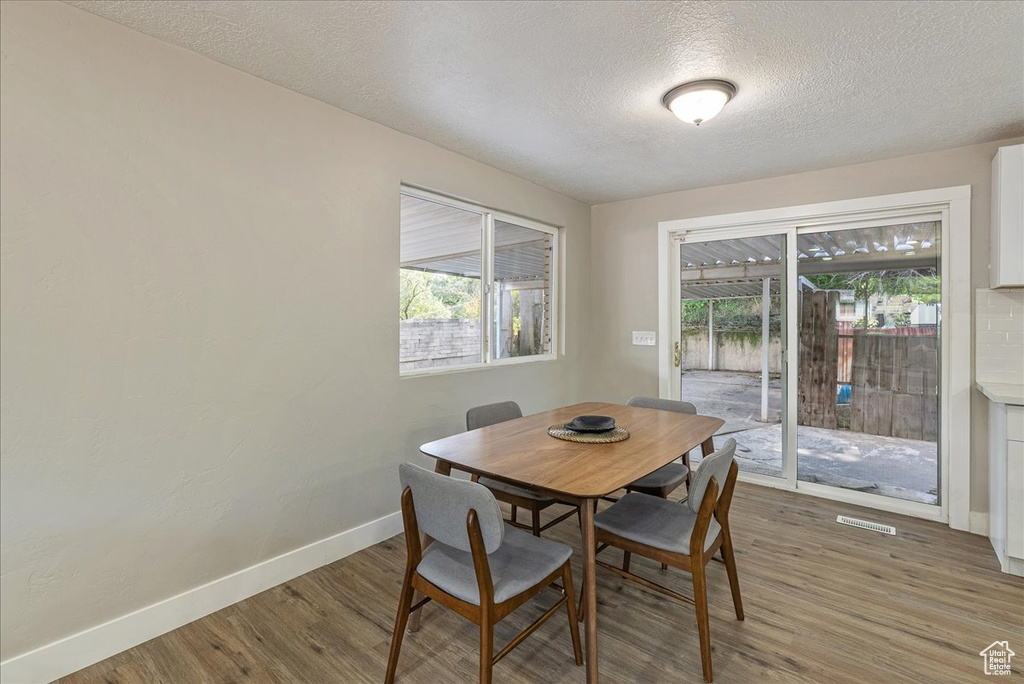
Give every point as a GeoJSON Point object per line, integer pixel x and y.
{"type": "Point", "coordinates": [567, 94]}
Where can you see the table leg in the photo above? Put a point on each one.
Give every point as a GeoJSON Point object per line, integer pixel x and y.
{"type": "Point", "coordinates": [707, 447]}
{"type": "Point", "coordinates": [589, 587]}
{"type": "Point", "coordinates": [444, 468]}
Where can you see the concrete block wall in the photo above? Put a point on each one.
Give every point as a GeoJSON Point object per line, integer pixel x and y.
{"type": "Point", "coordinates": [433, 343]}
{"type": "Point", "coordinates": [734, 351]}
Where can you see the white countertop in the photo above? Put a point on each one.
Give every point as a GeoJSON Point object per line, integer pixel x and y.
{"type": "Point", "coordinates": [1002, 393]}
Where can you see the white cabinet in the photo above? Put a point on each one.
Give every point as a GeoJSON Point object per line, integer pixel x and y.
{"type": "Point", "coordinates": [1006, 262]}
{"type": "Point", "coordinates": [1014, 499]}
{"type": "Point", "coordinates": [1006, 485]}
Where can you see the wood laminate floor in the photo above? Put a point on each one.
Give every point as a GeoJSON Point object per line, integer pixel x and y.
{"type": "Point", "coordinates": [824, 603]}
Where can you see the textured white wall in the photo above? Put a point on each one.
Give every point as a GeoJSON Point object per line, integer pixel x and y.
{"type": "Point", "coordinates": [819, 84]}
{"type": "Point", "coordinates": [624, 252]}
{"type": "Point", "coordinates": [200, 330]}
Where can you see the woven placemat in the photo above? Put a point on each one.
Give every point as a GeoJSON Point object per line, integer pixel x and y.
{"type": "Point", "coordinates": [617, 434]}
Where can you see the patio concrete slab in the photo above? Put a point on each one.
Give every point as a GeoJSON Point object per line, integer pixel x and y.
{"type": "Point", "coordinates": [890, 466]}
{"type": "Point", "coordinates": [732, 396]}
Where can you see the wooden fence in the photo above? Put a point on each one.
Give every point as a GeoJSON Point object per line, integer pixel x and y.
{"type": "Point", "coordinates": [846, 330]}
{"type": "Point", "coordinates": [895, 385]}
{"type": "Point", "coordinates": [845, 363]}
{"type": "Point", "coordinates": [819, 362]}
{"type": "Point", "coordinates": [893, 373]}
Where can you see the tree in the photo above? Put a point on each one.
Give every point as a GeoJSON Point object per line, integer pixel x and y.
{"type": "Point", "coordinates": [437, 295]}
{"type": "Point", "coordinates": [922, 287]}
{"type": "Point", "coordinates": [416, 299]}
{"type": "Point", "coordinates": [740, 313]}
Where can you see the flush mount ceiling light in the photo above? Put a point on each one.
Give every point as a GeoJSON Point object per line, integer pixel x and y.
{"type": "Point", "coordinates": [698, 101]}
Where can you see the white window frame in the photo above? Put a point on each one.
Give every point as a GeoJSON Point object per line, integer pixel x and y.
{"type": "Point", "coordinates": [954, 205]}
{"type": "Point", "coordinates": [489, 216]}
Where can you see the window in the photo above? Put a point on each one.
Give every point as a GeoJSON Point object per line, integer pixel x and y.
{"type": "Point", "coordinates": [477, 286]}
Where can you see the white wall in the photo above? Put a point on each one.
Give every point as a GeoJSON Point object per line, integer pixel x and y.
{"type": "Point", "coordinates": [200, 329]}
{"type": "Point", "coordinates": [624, 257]}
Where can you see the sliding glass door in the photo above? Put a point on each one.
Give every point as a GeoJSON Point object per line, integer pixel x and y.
{"type": "Point", "coordinates": [819, 345]}
{"type": "Point", "coordinates": [730, 352]}
{"type": "Point", "coordinates": [870, 314]}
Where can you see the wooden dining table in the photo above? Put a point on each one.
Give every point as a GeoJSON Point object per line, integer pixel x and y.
{"type": "Point", "coordinates": [522, 452]}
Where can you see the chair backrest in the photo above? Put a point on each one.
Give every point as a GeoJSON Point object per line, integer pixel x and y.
{"type": "Point", "coordinates": [482, 416]}
{"type": "Point", "coordinates": [662, 404]}
{"type": "Point", "coordinates": [714, 465]}
{"type": "Point", "coordinates": [442, 504]}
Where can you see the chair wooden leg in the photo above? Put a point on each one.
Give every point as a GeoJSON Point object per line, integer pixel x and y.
{"type": "Point", "coordinates": [401, 619]}
{"type": "Point", "coordinates": [570, 608]}
{"type": "Point", "coordinates": [730, 569]}
{"type": "Point", "coordinates": [664, 495]}
{"type": "Point", "coordinates": [626, 556]}
{"type": "Point", "coordinates": [414, 619]}
{"type": "Point", "coordinates": [536, 522]}
{"type": "Point", "coordinates": [700, 596]}
{"type": "Point", "coordinates": [581, 608]}
{"type": "Point", "coordinates": [515, 511]}
{"type": "Point", "coordinates": [486, 649]}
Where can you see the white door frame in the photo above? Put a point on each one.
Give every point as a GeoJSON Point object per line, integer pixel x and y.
{"type": "Point", "coordinates": [954, 204]}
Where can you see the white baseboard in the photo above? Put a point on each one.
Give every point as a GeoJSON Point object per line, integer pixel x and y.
{"type": "Point", "coordinates": [978, 523]}
{"type": "Point", "coordinates": [77, 651]}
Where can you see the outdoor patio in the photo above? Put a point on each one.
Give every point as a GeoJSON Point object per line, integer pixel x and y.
{"type": "Point", "coordinates": [890, 466]}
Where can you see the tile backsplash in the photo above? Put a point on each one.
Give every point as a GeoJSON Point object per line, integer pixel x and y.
{"type": "Point", "coordinates": [999, 339]}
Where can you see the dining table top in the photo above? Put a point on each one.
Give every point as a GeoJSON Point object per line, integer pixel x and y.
{"type": "Point", "coordinates": [522, 451]}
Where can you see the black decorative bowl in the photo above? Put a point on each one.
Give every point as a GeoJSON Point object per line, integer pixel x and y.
{"type": "Point", "coordinates": [591, 424]}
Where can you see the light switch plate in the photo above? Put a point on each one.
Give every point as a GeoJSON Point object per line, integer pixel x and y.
{"type": "Point", "coordinates": [644, 338]}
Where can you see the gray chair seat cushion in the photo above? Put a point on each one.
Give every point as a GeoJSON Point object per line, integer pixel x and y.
{"type": "Point", "coordinates": [672, 475]}
{"type": "Point", "coordinates": [519, 564]}
{"type": "Point", "coordinates": [653, 521]}
{"type": "Point", "coordinates": [499, 486]}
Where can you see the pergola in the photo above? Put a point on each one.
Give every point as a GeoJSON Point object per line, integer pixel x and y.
{"type": "Point", "coordinates": [750, 267]}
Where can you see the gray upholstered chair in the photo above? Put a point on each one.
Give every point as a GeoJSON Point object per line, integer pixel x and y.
{"type": "Point", "coordinates": [666, 479]}
{"type": "Point", "coordinates": [663, 481]}
{"type": "Point", "coordinates": [515, 496]}
{"type": "Point", "coordinates": [491, 414]}
{"type": "Point", "coordinates": [685, 536]}
{"type": "Point", "coordinates": [477, 565]}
